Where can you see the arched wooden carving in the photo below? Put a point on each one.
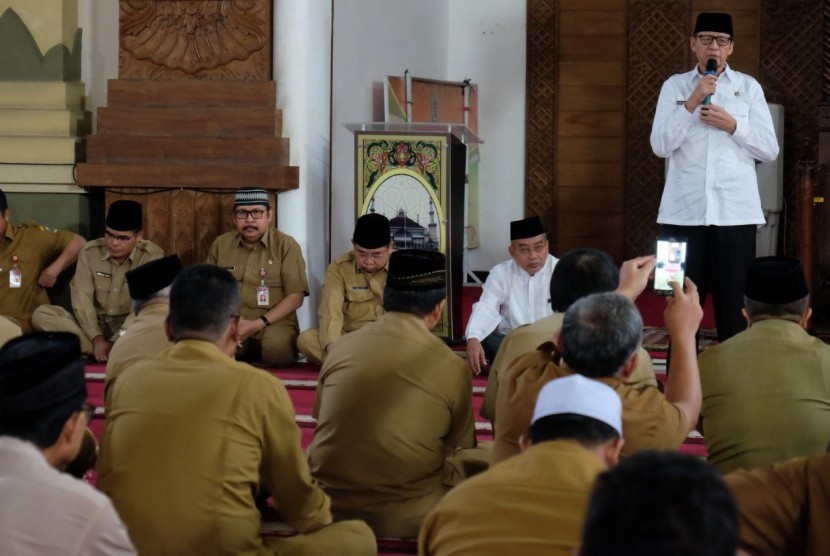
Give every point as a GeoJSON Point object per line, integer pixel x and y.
{"type": "Point", "coordinates": [208, 39]}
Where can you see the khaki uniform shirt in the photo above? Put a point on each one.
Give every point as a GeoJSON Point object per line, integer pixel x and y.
{"type": "Point", "coordinates": [391, 398]}
{"type": "Point", "coordinates": [785, 508]}
{"type": "Point", "coordinates": [277, 255]}
{"type": "Point", "coordinates": [532, 504]}
{"type": "Point", "coordinates": [100, 296]}
{"type": "Point", "coordinates": [35, 248]}
{"type": "Point", "coordinates": [183, 470]}
{"type": "Point", "coordinates": [144, 339]}
{"type": "Point", "coordinates": [351, 298]}
{"type": "Point", "coordinates": [527, 338]}
{"type": "Point", "coordinates": [650, 422]}
{"type": "Point", "coordinates": [766, 396]}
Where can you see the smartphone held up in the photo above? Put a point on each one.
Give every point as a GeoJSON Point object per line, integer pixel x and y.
{"type": "Point", "coordinates": [671, 263]}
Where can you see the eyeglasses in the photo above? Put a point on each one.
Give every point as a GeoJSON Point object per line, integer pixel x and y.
{"type": "Point", "coordinates": [243, 214]}
{"type": "Point", "coordinates": [706, 40]}
{"type": "Point", "coordinates": [117, 237]}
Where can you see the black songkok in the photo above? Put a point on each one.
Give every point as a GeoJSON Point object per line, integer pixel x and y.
{"type": "Point", "coordinates": [714, 22]}
{"type": "Point", "coordinates": [154, 276]}
{"type": "Point", "coordinates": [372, 231]}
{"type": "Point", "coordinates": [416, 269]}
{"type": "Point", "coordinates": [523, 229]}
{"type": "Point", "coordinates": [124, 216]}
{"type": "Point", "coordinates": [775, 280]}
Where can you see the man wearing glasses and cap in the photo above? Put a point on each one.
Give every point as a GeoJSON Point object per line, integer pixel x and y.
{"type": "Point", "coordinates": [353, 288]}
{"type": "Point", "coordinates": [713, 124]}
{"type": "Point", "coordinates": [100, 296]}
{"type": "Point", "coordinates": [269, 267]}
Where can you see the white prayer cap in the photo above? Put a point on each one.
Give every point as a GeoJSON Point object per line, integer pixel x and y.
{"type": "Point", "coordinates": [582, 396]}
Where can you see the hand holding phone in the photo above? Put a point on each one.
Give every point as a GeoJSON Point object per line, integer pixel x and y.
{"type": "Point", "coordinates": [671, 263]}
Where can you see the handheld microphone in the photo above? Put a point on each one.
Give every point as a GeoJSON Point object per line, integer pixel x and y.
{"type": "Point", "coordinates": [711, 69]}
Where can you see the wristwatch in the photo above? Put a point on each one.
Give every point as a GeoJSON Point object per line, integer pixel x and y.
{"type": "Point", "coordinates": [265, 321]}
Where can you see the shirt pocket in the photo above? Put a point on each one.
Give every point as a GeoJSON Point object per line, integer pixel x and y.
{"type": "Point", "coordinates": [359, 295]}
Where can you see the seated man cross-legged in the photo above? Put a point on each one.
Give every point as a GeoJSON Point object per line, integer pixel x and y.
{"type": "Point", "coordinates": [394, 405]}
{"type": "Point", "coordinates": [194, 439]}
{"type": "Point", "coordinates": [515, 293]}
{"type": "Point", "coordinates": [100, 296]}
{"type": "Point", "coordinates": [352, 289]}
{"type": "Point", "coordinates": [269, 267]}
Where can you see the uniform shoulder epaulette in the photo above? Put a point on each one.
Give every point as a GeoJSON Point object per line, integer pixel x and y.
{"type": "Point", "coordinates": [33, 224]}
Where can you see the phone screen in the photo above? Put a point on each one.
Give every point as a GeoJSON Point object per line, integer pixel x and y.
{"type": "Point", "coordinates": [671, 263]}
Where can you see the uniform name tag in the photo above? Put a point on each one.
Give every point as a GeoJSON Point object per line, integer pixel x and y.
{"type": "Point", "coordinates": [15, 278]}
{"type": "Point", "coordinates": [103, 275]}
{"type": "Point", "coordinates": [228, 268]}
{"type": "Point", "coordinates": [360, 287]}
{"type": "Point", "coordinates": [262, 296]}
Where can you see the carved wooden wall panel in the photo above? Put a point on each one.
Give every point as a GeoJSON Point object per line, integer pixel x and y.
{"type": "Point", "coordinates": [184, 221]}
{"type": "Point", "coordinates": [658, 46]}
{"type": "Point", "coordinates": [208, 39]}
{"type": "Point", "coordinates": [540, 124]}
{"type": "Point", "coordinates": [791, 75]}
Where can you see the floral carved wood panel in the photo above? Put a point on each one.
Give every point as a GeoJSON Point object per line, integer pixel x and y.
{"type": "Point", "coordinates": [204, 39]}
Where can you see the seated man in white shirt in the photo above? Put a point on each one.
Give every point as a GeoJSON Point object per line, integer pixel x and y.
{"type": "Point", "coordinates": [42, 425]}
{"type": "Point", "coordinates": [516, 292]}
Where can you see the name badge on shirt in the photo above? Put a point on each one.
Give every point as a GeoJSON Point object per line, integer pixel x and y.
{"type": "Point", "coordinates": [263, 296]}
{"type": "Point", "coordinates": [15, 278]}
{"type": "Point", "coordinates": [360, 288]}
{"type": "Point", "coordinates": [103, 274]}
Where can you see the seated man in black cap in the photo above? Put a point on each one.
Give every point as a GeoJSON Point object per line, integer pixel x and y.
{"type": "Point", "coordinates": [766, 391]}
{"type": "Point", "coordinates": [516, 292]}
{"type": "Point", "coordinates": [32, 258]}
{"type": "Point", "coordinates": [269, 267]}
{"type": "Point", "coordinates": [100, 297]}
{"type": "Point", "coordinates": [352, 289]}
{"type": "Point", "coordinates": [42, 425]}
{"type": "Point", "coordinates": [393, 401]}
{"type": "Point", "coordinates": [186, 471]}
{"type": "Point", "coordinates": [144, 335]}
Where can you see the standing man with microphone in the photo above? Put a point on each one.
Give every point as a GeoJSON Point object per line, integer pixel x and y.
{"type": "Point", "coordinates": [713, 124]}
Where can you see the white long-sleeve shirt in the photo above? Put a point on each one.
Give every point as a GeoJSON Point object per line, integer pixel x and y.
{"type": "Point", "coordinates": [510, 298]}
{"type": "Point", "coordinates": [711, 178]}
{"type": "Point", "coordinates": [45, 511]}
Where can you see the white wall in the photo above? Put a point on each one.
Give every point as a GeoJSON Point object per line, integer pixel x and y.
{"type": "Point", "coordinates": [487, 45]}
{"type": "Point", "coordinates": [373, 39]}
{"type": "Point", "coordinates": [302, 58]}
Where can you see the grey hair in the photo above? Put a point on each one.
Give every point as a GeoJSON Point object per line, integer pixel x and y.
{"type": "Point", "coordinates": [600, 333]}
{"type": "Point", "coordinates": [139, 303]}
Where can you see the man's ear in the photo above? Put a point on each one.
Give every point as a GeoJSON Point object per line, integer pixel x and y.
{"type": "Point", "coordinates": [611, 451]}
{"type": "Point", "coordinates": [805, 318]}
{"type": "Point", "coordinates": [510, 249]}
{"type": "Point", "coordinates": [524, 442]}
{"type": "Point", "coordinates": [629, 366]}
{"type": "Point", "coordinates": [168, 329]}
{"type": "Point", "coordinates": [557, 340]}
{"type": "Point", "coordinates": [747, 318]}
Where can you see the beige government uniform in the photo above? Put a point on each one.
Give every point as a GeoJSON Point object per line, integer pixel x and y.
{"type": "Point", "coordinates": [145, 338]}
{"type": "Point", "coordinates": [533, 504]}
{"type": "Point", "coordinates": [8, 330]}
{"type": "Point", "coordinates": [184, 471]}
{"type": "Point", "coordinates": [527, 338]}
{"type": "Point", "coordinates": [276, 262]}
{"type": "Point", "coordinates": [650, 422]}
{"type": "Point", "coordinates": [766, 396]}
{"type": "Point", "coordinates": [351, 298]}
{"type": "Point", "coordinates": [100, 296]}
{"type": "Point", "coordinates": [392, 401]}
{"type": "Point", "coordinates": [35, 247]}
{"type": "Point", "coordinates": [785, 508]}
